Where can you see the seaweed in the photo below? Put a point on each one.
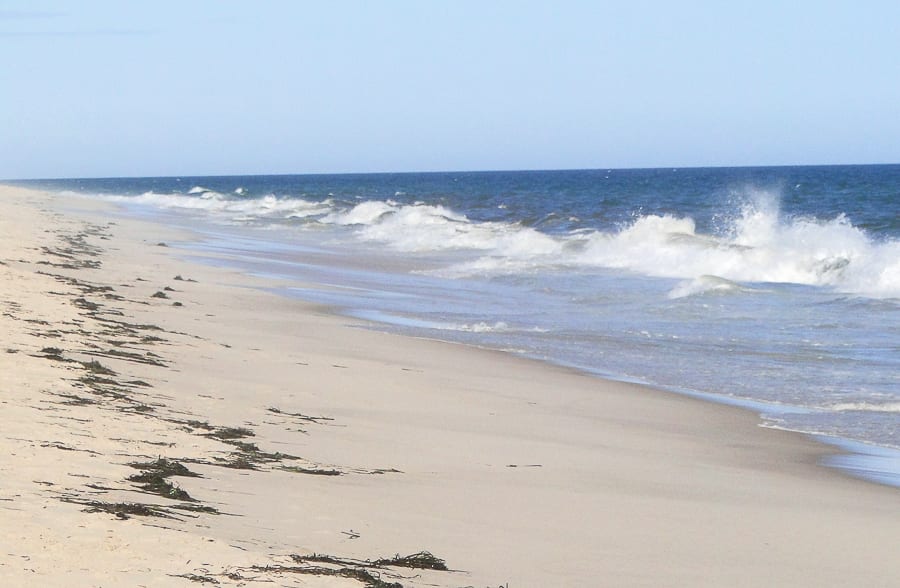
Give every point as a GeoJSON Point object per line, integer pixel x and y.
{"type": "Point", "coordinates": [85, 304]}
{"type": "Point", "coordinates": [245, 447]}
{"type": "Point", "coordinates": [247, 455]}
{"type": "Point", "coordinates": [64, 447]}
{"type": "Point", "coordinates": [153, 478]}
{"type": "Point", "coordinates": [104, 387]}
{"type": "Point", "coordinates": [123, 327]}
{"type": "Point", "coordinates": [365, 571]}
{"type": "Point", "coordinates": [167, 467]}
{"type": "Point", "coordinates": [360, 574]}
{"type": "Point", "coordinates": [196, 578]}
{"type": "Point", "coordinates": [228, 433]}
{"type": "Point", "coordinates": [313, 471]}
{"type": "Point", "coordinates": [54, 353]}
{"type": "Point", "coordinates": [299, 416]}
{"type": "Point", "coordinates": [237, 463]}
{"type": "Point", "coordinates": [422, 560]}
{"type": "Point", "coordinates": [147, 359]}
{"type": "Point", "coordinates": [74, 399]}
{"type": "Point", "coordinates": [95, 367]}
{"type": "Point", "coordinates": [156, 484]}
{"type": "Point", "coordinates": [196, 508]}
{"type": "Point", "coordinates": [192, 424]}
{"type": "Point", "coordinates": [138, 407]}
{"type": "Point", "coordinates": [122, 510]}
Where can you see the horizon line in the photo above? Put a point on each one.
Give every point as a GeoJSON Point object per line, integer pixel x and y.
{"type": "Point", "coordinates": [449, 171]}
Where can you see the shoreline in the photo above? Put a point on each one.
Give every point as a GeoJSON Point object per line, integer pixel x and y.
{"type": "Point", "coordinates": [403, 452]}
{"type": "Point", "coordinates": [857, 459]}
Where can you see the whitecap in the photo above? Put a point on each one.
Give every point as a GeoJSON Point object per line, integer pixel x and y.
{"type": "Point", "coordinates": [706, 285]}
{"type": "Point", "coordinates": [866, 407]}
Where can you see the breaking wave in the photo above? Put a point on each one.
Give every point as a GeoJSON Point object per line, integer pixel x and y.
{"type": "Point", "coordinates": [866, 407]}
{"type": "Point", "coordinates": [708, 285]}
{"type": "Point", "coordinates": [226, 207]}
{"type": "Point", "coordinates": [756, 244]}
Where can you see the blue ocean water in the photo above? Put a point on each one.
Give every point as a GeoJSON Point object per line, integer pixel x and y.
{"type": "Point", "coordinates": [777, 287]}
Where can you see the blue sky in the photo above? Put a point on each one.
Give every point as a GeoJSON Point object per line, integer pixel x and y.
{"type": "Point", "coordinates": [116, 88]}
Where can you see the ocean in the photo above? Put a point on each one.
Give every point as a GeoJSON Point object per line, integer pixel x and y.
{"type": "Point", "coordinates": [774, 288]}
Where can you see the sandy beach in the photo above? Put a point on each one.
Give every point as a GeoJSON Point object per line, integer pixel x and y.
{"type": "Point", "coordinates": [166, 423]}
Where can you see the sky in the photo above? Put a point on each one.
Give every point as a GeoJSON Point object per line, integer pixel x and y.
{"type": "Point", "coordinates": [195, 87]}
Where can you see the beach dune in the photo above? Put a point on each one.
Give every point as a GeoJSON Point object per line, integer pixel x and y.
{"type": "Point", "coordinates": [168, 423]}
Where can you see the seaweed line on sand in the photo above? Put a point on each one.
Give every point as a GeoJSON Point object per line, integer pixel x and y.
{"type": "Point", "coordinates": [378, 573]}
{"type": "Point", "coordinates": [100, 324]}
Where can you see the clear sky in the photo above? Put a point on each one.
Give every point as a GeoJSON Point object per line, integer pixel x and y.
{"type": "Point", "coordinates": [191, 87]}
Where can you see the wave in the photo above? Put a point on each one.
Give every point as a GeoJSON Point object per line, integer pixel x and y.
{"type": "Point", "coordinates": [756, 244]}
{"type": "Point", "coordinates": [865, 407]}
{"type": "Point", "coordinates": [708, 285]}
{"type": "Point", "coordinates": [231, 208]}
{"type": "Point", "coordinates": [757, 247]}
{"type": "Point", "coordinates": [480, 327]}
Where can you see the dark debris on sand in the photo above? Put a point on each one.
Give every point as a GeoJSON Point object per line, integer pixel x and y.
{"type": "Point", "coordinates": [104, 332]}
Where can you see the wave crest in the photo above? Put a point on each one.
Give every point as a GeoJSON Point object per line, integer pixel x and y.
{"type": "Point", "coordinates": [707, 285]}
{"type": "Point", "coordinates": [757, 244]}
{"type": "Point", "coordinates": [865, 407]}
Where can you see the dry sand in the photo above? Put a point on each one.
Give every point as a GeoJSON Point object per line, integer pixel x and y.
{"type": "Point", "coordinates": [310, 434]}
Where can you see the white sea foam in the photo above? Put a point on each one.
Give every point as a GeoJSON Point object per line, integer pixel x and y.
{"type": "Point", "coordinates": [366, 213]}
{"type": "Point", "coordinates": [423, 228]}
{"type": "Point", "coordinates": [762, 249]}
{"type": "Point", "coordinates": [757, 245]}
{"type": "Point", "coordinates": [483, 327]}
{"type": "Point", "coordinates": [473, 327]}
{"type": "Point", "coordinates": [227, 207]}
{"type": "Point", "coordinates": [804, 251]}
{"type": "Point", "coordinates": [707, 285]}
{"type": "Point", "coordinates": [865, 407]}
